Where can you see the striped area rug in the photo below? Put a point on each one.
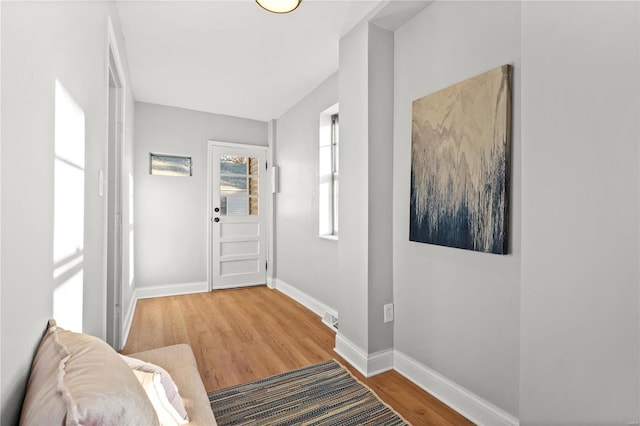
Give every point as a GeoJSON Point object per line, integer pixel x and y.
{"type": "Point", "coordinates": [321, 394]}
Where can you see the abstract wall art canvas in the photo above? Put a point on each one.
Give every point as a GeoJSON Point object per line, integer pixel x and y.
{"type": "Point", "coordinates": [460, 160]}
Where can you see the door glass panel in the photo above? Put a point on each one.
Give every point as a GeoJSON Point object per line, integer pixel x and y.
{"type": "Point", "coordinates": [223, 206]}
{"type": "Point", "coordinates": [253, 206]}
{"type": "Point", "coordinates": [238, 185]}
{"type": "Point", "coordinates": [253, 186]}
{"type": "Point", "coordinates": [233, 185]}
{"type": "Point", "coordinates": [237, 206]}
{"type": "Point", "coordinates": [253, 165]}
{"type": "Point", "coordinates": [232, 164]}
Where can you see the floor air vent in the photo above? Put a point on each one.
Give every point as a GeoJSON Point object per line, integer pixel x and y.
{"type": "Point", "coordinates": [331, 321]}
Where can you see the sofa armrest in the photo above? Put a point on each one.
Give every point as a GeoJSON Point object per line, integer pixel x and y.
{"type": "Point", "coordinates": [180, 363]}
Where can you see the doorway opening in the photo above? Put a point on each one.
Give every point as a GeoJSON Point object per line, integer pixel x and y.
{"type": "Point", "coordinates": [114, 203]}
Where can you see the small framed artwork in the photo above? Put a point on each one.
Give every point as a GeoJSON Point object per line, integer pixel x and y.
{"type": "Point", "coordinates": [169, 165]}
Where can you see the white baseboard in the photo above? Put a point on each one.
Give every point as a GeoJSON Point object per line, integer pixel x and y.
{"type": "Point", "coordinates": [462, 400]}
{"type": "Point", "coordinates": [351, 353]}
{"type": "Point", "coordinates": [271, 283]}
{"type": "Point", "coordinates": [170, 290]}
{"type": "Point", "coordinates": [379, 362]}
{"type": "Point", "coordinates": [303, 298]}
{"type": "Point", "coordinates": [367, 364]}
{"type": "Point", "coordinates": [157, 291]}
{"type": "Point", "coordinates": [455, 396]}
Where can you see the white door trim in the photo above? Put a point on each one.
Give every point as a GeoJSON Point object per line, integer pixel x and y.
{"type": "Point", "coordinates": [118, 70]}
{"type": "Point", "coordinates": [210, 145]}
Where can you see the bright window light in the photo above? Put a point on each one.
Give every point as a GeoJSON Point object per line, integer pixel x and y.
{"type": "Point", "coordinates": [169, 165]}
{"type": "Point", "coordinates": [68, 221]}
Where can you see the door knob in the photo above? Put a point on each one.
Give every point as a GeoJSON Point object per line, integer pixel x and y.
{"type": "Point", "coordinates": [216, 219]}
{"type": "Point", "coordinates": [217, 209]}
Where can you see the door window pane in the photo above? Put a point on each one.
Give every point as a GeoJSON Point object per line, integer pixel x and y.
{"type": "Point", "coordinates": [239, 185]}
{"type": "Point", "coordinates": [237, 206]}
{"type": "Point", "coordinates": [253, 186]}
{"type": "Point", "coordinates": [233, 185]}
{"type": "Point", "coordinates": [232, 164]}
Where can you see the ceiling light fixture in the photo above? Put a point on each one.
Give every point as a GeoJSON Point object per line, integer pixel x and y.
{"type": "Point", "coordinates": [279, 6]}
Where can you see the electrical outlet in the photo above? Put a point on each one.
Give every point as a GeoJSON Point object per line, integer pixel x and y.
{"type": "Point", "coordinates": [388, 312]}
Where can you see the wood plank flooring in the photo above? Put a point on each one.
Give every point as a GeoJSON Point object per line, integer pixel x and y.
{"type": "Point", "coordinates": [242, 335]}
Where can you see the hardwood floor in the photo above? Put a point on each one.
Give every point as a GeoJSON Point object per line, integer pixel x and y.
{"type": "Point", "coordinates": [246, 334]}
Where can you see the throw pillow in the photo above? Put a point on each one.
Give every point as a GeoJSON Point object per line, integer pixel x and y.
{"type": "Point", "coordinates": [170, 388]}
{"type": "Point", "coordinates": [79, 379]}
{"type": "Point", "coordinates": [167, 415]}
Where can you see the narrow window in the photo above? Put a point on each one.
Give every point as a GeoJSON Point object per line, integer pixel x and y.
{"type": "Point", "coordinates": [335, 137]}
{"type": "Point", "coordinates": [169, 165]}
{"type": "Point", "coordinates": [329, 173]}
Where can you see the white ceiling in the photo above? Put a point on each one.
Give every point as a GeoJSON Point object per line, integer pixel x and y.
{"type": "Point", "coordinates": [232, 57]}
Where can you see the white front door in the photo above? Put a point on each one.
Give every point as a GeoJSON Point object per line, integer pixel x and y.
{"type": "Point", "coordinates": [237, 215]}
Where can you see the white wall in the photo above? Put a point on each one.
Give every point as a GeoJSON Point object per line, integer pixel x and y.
{"type": "Point", "coordinates": [43, 43]}
{"type": "Point", "coordinates": [549, 332]}
{"type": "Point", "coordinates": [170, 213]}
{"type": "Point", "coordinates": [305, 261]}
{"type": "Point", "coordinates": [354, 175]}
{"type": "Point", "coordinates": [366, 130]}
{"type": "Point", "coordinates": [380, 185]}
{"type": "Point", "coordinates": [580, 114]}
{"type": "Point", "coordinates": [457, 311]}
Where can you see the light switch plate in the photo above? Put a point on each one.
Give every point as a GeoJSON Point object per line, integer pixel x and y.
{"type": "Point", "coordinates": [388, 312]}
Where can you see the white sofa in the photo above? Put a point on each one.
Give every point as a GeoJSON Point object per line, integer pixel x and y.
{"type": "Point", "coordinates": [77, 379]}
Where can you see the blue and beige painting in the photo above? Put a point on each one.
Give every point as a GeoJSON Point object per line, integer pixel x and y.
{"type": "Point", "coordinates": [460, 154]}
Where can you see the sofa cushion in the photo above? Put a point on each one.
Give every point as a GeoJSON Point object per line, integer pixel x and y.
{"type": "Point", "coordinates": [79, 379]}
